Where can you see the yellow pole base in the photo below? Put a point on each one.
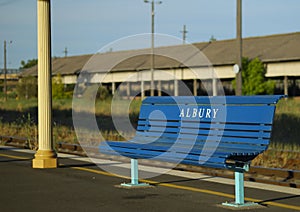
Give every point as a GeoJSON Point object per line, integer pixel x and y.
{"type": "Point", "coordinates": [45, 159]}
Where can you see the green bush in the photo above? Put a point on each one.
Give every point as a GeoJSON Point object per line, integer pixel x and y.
{"type": "Point", "coordinates": [58, 89]}
{"type": "Point", "coordinates": [27, 88]}
{"type": "Point", "coordinates": [254, 80]}
{"type": "Point", "coordinates": [103, 93]}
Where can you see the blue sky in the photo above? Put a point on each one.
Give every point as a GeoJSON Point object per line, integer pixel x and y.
{"type": "Point", "coordinates": [85, 26]}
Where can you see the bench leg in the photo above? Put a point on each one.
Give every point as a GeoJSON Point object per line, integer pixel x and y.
{"type": "Point", "coordinates": [239, 188]}
{"type": "Point", "coordinates": [134, 176]}
{"type": "Point", "coordinates": [239, 193]}
{"type": "Point", "coordinates": [134, 172]}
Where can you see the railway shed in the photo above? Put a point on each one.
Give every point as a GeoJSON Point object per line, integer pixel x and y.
{"type": "Point", "coordinates": [279, 53]}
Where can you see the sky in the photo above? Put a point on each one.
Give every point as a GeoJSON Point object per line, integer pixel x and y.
{"type": "Point", "coordinates": [85, 26]}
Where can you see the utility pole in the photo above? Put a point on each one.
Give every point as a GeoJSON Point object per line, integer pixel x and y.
{"type": "Point", "coordinates": [5, 70]}
{"type": "Point", "coordinates": [239, 41]}
{"type": "Point", "coordinates": [152, 44]}
{"type": "Point", "coordinates": [184, 31]}
{"type": "Point", "coordinates": [152, 50]}
{"type": "Point", "coordinates": [66, 51]}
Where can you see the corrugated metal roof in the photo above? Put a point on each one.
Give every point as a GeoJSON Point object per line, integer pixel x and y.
{"type": "Point", "coordinates": [281, 47]}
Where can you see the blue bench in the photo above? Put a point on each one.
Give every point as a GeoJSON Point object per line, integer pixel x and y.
{"type": "Point", "coordinates": [217, 132]}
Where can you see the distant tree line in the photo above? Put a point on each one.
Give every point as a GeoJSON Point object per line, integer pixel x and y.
{"type": "Point", "coordinates": [29, 63]}
{"type": "Point", "coordinates": [28, 88]}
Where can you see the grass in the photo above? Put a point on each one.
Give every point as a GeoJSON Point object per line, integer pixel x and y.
{"type": "Point", "coordinates": [18, 105]}
{"type": "Point", "coordinates": [289, 106]}
{"type": "Point", "coordinates": [19, 118]}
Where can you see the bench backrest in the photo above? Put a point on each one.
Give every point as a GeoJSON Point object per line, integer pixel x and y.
{"type": "Point", "coordinates": [241, 125]}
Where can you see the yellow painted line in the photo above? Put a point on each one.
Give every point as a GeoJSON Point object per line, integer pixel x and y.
{"type": "Point", "coordinates": [14, 157]}
{"type": "Point", "coordinates": [99, 172]}
{"type": "Point", "coordinates": [188, 188]}
{"type": "Point", "coordinates": [281, 205]}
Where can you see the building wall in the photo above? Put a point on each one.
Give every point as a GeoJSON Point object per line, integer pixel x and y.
{"type": "Point", "coordinates": [279, 69]}
{"type": "Point", "coordinates": [286, 74]}
{"type": "Point", "coordinates": [69, 79]}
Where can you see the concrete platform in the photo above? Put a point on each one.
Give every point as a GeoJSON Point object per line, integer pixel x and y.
{"type": "Point", "coordinates": [79, 185]}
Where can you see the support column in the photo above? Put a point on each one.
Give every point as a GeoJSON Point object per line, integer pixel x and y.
{"type": "Point", "coordinates": [286, 85]}
{"type": "Point", "coordinates": [159, 88]}
{"type": "Point", "coordinates": [128, 89]}
{"type": "Point", "coordinates": [195, 87]}
{"type": "Point", "coordinates": [176, 87]}
{"type": "Point", "coordinates": [142, 90]}
{"type": "Point", "coordinates": [214, 87]}
{"type": "Point", "coordinates": [113, 88]}
{"type": "Point", "coordinates": [46, 156]}
{"type": "Point", "coordinates": [294, 86]}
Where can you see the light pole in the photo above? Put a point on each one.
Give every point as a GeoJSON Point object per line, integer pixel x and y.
{"type": "Point", "coordinates": [5, 71]}
{"type": "Point", "coordinates": [152, 44]}
{"type": "Point", "coordinates": [239, 82]}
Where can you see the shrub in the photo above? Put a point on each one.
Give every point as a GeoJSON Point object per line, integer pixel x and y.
{"type": "Point", "coordinates": [58, 89]}
{"type": "Point", "coordinates": [27, 88]}
{"type": "Point", "coordinates": [254, 80]}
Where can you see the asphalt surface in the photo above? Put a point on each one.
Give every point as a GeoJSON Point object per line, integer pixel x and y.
{"type": "Point", "coordinates": [82, 186]}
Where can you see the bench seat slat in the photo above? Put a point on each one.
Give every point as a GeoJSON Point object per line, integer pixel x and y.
{"type": "Point", "coordinates": [220, 151]}
{"type": "Point", "coordinates": [203, 125]}
{"type": "Point", "coordinates": [219, 132]}
{"type": "Point", "coordinates": [204, 138]}
{"type": "Point", "coordinates": [152, 154]}
{"type": "Point", "coordinates": [161, 154]}
{"type": "Point", "coordinates": [200, 143]}
{"type": "Point", "coordinates": [142, 138]}
{"type": "Point", "coordinates": [162, 148]}
{"type": "Point", "coordinates": [228, 146]}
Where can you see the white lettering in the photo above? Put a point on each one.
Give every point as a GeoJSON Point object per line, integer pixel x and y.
{"type": "Point", "coordinates": [215, 113]}
{"type": "Point", "coordinates": [198, 113]}
{"type": "Point", "coordinates": [181, 115]}
{"type": "Point", "coordinates": [201, 112]}
{"type": "Point", "coordinates": [208, 111]}
{"type": "Point", "coordinates": [188, 115]}
{"type": "Point", "coordinates": [195, 112]}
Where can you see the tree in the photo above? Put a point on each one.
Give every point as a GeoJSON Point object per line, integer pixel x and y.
{"type": "Point", "coordinates": [254, 80]}
{"type": "Point", "coordinates": [212, 38]}
{"type": "Point", "coordinates": [27, 87]}
{"type": "Point", "coordinates": [28, 64]}
{"type": "Point", "coordinates": [58, 89]}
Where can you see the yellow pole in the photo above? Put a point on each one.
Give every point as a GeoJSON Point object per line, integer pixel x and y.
{"type": "Point", "coordinates": [45, 157]}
